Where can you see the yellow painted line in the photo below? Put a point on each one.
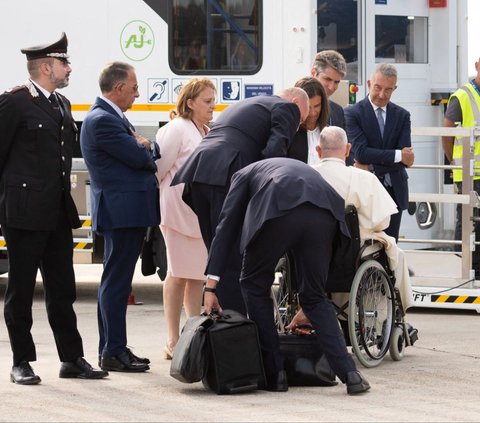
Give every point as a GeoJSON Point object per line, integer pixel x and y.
{"type": "Point", "coordinates": [143, 107]}
{"type": "Point", "coordinates": [87, 222]}
{"type": "Point", "coordinates": [461, 299]}
{"type": "Point", "coordinates": [3, 243]}
{"type": "Point", "coordinates": [442, 298]}
{"type": "Point", "coordinates": [476, 301]}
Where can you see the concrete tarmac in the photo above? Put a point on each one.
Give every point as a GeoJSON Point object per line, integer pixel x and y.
{"type": "Point", "coordinates": [436, 381]}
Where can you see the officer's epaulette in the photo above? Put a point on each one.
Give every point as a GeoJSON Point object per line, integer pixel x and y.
{"type": "Point", "coordinates": [16, 89]}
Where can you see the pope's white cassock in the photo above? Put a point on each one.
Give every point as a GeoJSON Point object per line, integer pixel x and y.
{"type": "Point", "coordinates": [374, 207]}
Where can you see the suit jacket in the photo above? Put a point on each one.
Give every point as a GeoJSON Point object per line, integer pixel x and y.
{"type": "Point", "coordinates": [177, 140]}
{"type": "Point", "coordinates": [299, 147]}
{"type": "Point", "coordinates": [123, 185]}
{"type": "Point", "coordinates": [263, 191]}
{"type": "Point", "coordinates": [368, 146]}
{"type": "Point", "coordinates": [248, 131]}
{"type": "Point", "coordinates": [35, 160]}
{"type": "Point", "coordinates": [337, 116]}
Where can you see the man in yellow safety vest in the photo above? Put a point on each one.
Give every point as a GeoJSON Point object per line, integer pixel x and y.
{"type": "Point", "coordinates": [464, 107]}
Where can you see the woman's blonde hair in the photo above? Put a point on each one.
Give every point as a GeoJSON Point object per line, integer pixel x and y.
{"type": "Point", "coordinates": [191, 90]}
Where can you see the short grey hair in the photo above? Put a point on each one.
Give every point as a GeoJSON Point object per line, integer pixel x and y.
{"type": "Point", "coordinates": [329, 59]}
{"type": "Point", "coordinates": [386, 69]}
{"type": "Point", "coordinates": [112, 74]}
{"type": "Point", "coordinates": [333, 138]}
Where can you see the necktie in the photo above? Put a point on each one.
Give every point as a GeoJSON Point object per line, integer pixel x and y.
{"type": "Point", "coordinates": [127, 122]}
{"type": "Point", "coordinates": [381, 122]}
{"type": "Point", "coordinates": [55, 106]}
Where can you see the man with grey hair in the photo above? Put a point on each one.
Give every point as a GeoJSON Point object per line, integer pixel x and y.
{"type": "Point", "coordinates": [379, 132]}
{"type": "Point", "coordinates": [250, 130]}
{"type": "Point", "coordinates": [124, 198]}
{"type": "Point", "coordinates": [374, 207]}
{"type": "Point", "coordinates": [373, 203]}
{"type": "Point", "coordinates": [330, 67]}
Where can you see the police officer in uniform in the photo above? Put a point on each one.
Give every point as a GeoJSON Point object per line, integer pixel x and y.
{"type": "Point", "coordinates": [37, 212]}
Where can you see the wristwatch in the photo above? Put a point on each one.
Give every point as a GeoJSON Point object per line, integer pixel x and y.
{"type": "Point", "coordinates": [207, 289]}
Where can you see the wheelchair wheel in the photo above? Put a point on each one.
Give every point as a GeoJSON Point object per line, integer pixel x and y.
{"type": "Point", "coordinates": [371, 313]}
{"type": "Point", "coordinates": [283, 293]}
{"type": "Point", "coordinates": [397, 343]}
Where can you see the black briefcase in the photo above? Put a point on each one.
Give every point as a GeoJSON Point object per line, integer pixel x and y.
{"type": "Point", "coordinates": [305, 362]}
{"type": "Point", "coordinates": [234, 357]}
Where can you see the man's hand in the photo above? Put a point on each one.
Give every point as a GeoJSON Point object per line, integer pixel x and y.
{"type": "Point", "coordinates": [142, 140]}
{"type": "Point", "coordinates": [210, 300]}
{"type": "Point", "coordinates": [210, 303]}
{"type": "Point", "coordinates": [408, 156]}
{"type": "Point", "coordinates": [298, 324]}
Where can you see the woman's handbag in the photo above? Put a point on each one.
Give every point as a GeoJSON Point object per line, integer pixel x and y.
{"type": "Point", "coordinates": [305, 362]}
{"type": "Point", "coordinates": [190, 358]}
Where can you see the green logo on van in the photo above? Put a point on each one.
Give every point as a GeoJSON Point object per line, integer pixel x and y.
{"type": "Point", "coordinates": [137, 40]}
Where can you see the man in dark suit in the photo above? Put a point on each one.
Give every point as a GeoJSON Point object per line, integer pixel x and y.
{"type": "Point", "coordinates": [276, 205]}
{"type": "Point", "coordinates": [37, 212]}
{"type": "Point", "coordinates": [124, 197]}
{"type": "Point", "coordinates": [379, 132]}
{"type": "Point", "coordinates": [248, 131]}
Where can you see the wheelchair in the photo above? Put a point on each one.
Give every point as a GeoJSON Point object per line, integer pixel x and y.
{"type": "Point", "coordinates": [373, 312]}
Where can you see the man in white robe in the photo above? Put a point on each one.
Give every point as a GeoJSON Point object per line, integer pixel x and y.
{"type": "Point", "coordinates": [373, 203]}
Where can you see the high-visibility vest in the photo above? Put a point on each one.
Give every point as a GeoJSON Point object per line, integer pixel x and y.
{"type": "Point", "coordinates": [469, 101]}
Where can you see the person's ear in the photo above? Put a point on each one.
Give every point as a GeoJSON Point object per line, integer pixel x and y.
{"type": "Point", "coordinates": [319, 150]}
{"type": "Point", "coordinates": [347, 149]}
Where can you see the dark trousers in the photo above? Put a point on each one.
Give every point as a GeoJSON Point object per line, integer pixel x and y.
{"type": "Point", "coordinates": [395, 219]}
{"type": "Point", "coordinates": [308, 232]}
{"type": "Point", "coordinates": [122, 249]}
{"type": "Point", "coordinates": [207, 202]}
{"type": "Point", "coordinates": [458, 228]}
{"type": "Point", "coordinates": [52, 252]}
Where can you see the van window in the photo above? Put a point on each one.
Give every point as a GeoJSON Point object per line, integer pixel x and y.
{"type": "Point", "coordinates": [401, 39]}
{"type": "Point", "coordinates": [337, 29]}
{"type": "Point", "coordinates": [216, 37]}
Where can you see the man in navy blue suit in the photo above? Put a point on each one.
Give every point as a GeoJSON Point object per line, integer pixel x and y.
{"type": "Point", "coordinates": [250, 130]}
{"type": "Point", "coordinates": [278, 205]}
{"type": "Point", "coordinates": [379, 132]}
{"type": "Point", "coordinates": [124, 197]}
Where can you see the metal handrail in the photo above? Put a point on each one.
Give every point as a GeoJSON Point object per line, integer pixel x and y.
{"type": "Point", "coordinates": [468, 200]}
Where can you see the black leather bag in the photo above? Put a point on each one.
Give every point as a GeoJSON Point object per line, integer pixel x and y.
{"type": "Point", "coordinates": [190, 359]}
{"type": "Point", "coordinates": [305, 362]}
{"type": "Point", "coordinates": [234, 358]}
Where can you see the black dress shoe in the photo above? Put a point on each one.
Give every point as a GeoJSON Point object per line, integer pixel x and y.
{"type": "Point", "coordinates": [80, 369]}
{"type": "Point", "coordinates": [143, 360]}
{"type": "Point", "coordinates": [123, 363]}
{"type": "Point", "coordinates": [356, 383]}
{"type": "Point", "coordinates": [277, 383]}
{"type": "Point", "coordinates": [23, 374]}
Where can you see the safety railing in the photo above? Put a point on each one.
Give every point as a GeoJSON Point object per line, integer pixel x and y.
{"type": "Point", "coordinates": [469, 199]}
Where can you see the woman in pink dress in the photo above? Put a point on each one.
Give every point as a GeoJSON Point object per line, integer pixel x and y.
{"type": "Point", "coordinates": [186, 252]}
